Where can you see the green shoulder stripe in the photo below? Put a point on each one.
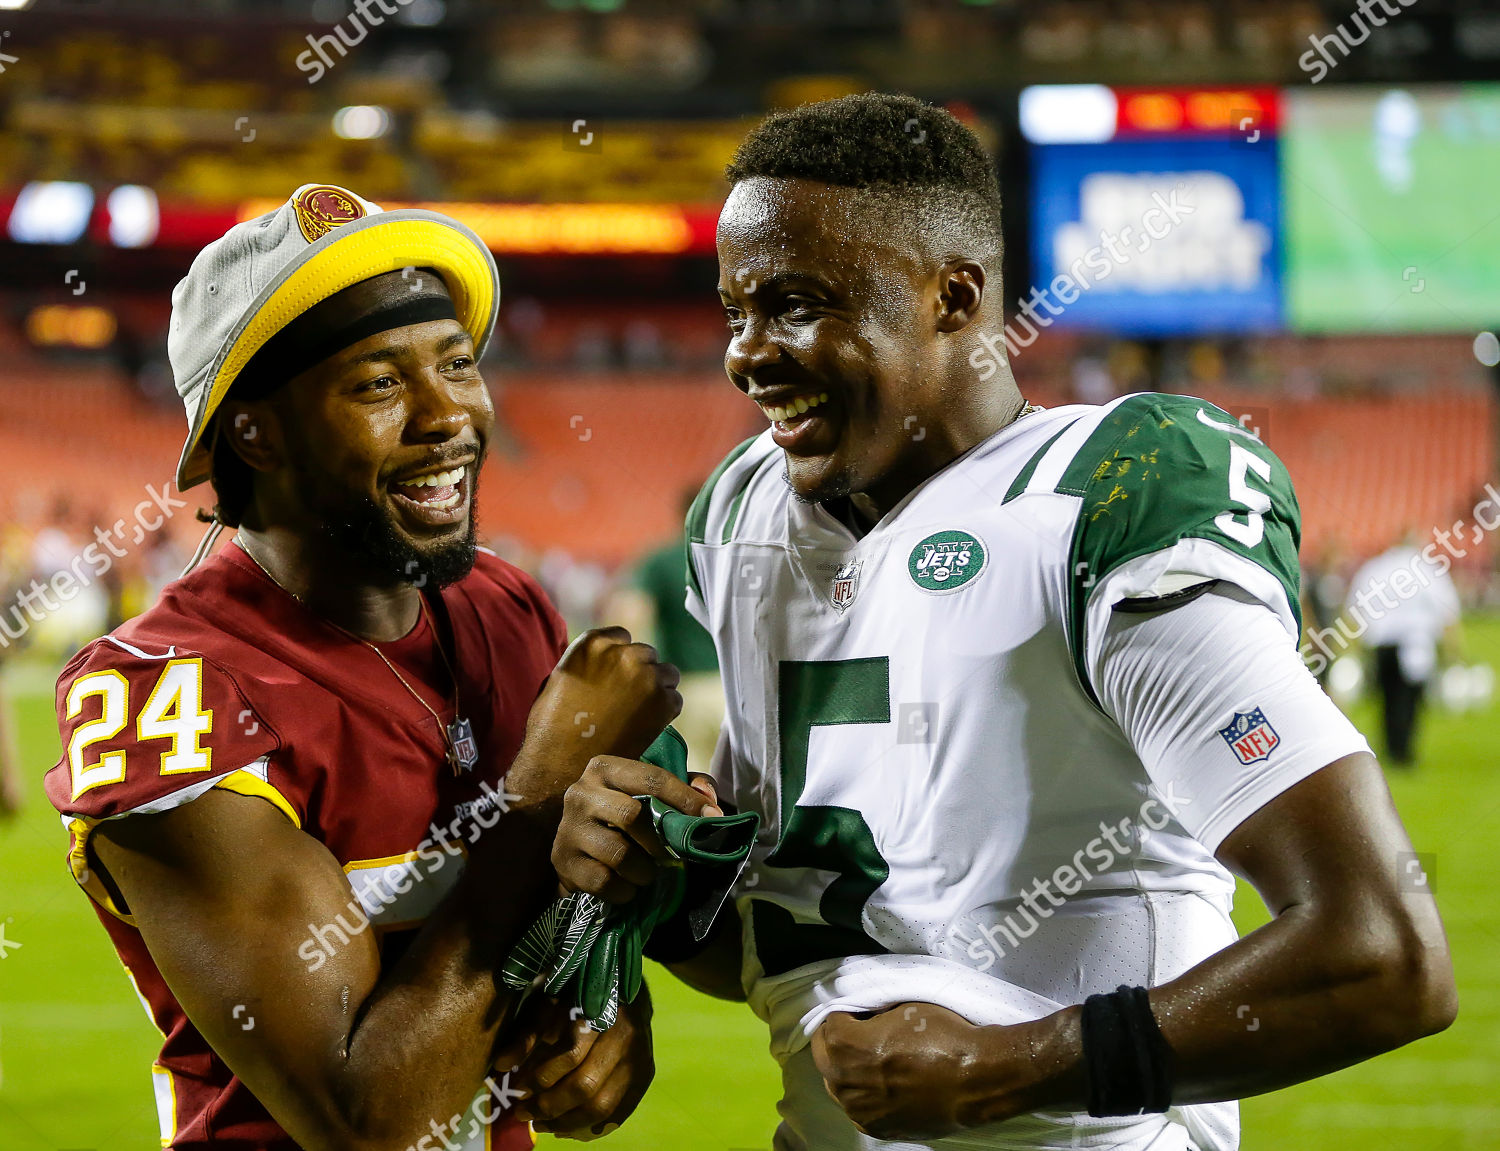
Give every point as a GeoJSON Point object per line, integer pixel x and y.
{"type": "Point", "coordinates": [733, 515]}
{"type": "Point", "coordinates": [1024, 477]}
{"type": "Point", "coordinates": [697, 517]}
{"type": "Point", "coordinates": [1160, 469]}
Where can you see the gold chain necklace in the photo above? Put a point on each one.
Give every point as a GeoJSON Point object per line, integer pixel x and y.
{"type": "Point", "coordinates": [460, 731]}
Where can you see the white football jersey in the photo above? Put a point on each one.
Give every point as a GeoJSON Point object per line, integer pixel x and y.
{"type": "Point", "coordinates": [913, 714]}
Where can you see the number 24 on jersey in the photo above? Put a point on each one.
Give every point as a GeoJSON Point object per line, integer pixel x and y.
{"type": "Point", "coordinates": [173, 711]}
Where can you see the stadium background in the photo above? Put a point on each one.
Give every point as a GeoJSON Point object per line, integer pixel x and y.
{"type": "Point", "coordinates": [1333, 287]}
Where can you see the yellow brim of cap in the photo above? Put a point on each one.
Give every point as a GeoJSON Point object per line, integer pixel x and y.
{"type": "Point", "coordinates": [354, 254]}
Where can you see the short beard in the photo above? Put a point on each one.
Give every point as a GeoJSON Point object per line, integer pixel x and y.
{"type": "Point", "coordinates": [371, 536]}
{"type": "Point", "coordinates": [836, 488]}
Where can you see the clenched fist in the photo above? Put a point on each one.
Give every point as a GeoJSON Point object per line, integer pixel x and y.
{"type": "Point", "coordinates": [919, 1071]}
{"type": "Point", "coordinates": [607, 696]}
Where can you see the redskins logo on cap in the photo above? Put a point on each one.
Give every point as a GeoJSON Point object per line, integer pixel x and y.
{"type": "Point", "coordinates": [322, 208]}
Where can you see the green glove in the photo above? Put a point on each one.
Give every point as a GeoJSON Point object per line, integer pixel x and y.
{"type": "Point", "coordinates": [613, 973]}
{"type": "Point", "coordinates": [707, 839]}
{"type": "Point", "coordinates": [582, 941]}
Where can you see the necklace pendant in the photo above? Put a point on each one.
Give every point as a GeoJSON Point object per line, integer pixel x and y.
{"type": "Point", "coordinates": [463, 748]}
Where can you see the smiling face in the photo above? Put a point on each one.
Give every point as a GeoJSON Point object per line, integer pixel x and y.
{"type": "Point", "coordinates": [383, 443]}
{"type": "Point", "coordinates": [842, 332]}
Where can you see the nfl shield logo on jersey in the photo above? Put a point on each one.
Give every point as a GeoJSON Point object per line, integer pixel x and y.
{"type": "Point", "coordinates": [845, 584]}
{"type": "Point", "coordinates": [1250, 736]}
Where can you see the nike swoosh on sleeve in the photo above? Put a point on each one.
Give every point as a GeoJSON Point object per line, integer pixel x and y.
{"type": "Point", "coordinates": [1246, 432]}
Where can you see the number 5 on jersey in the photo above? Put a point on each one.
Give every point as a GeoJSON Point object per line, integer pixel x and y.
{"type": "Point", "coordinates": [173, 710]}
{"type": "Point", "coordinates": [823, 838]}
{"type": "Point", "coordinates": [1256, 503]}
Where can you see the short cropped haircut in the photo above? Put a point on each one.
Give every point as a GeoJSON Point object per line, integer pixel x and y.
{"type": "Point", "coordinates": [904, 151]}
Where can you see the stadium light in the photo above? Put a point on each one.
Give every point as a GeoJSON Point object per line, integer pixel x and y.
{"type": "Point", "coordinates": [361, 122]}
{"type": "Point", "coordinates": [424, 13]}
{"type": "Point", "coordinates": [134, 216]}
{"type": "Point", "coordinates": [51, 212]}
{"type": "Point", "coordinates": [67, 326]}
{"type": "Point", "coordinates": [1068, 113]}
{"type": "Point", "coordinates": [1487, 349]}
{"type": "Point", "coordinates": [14, 5]}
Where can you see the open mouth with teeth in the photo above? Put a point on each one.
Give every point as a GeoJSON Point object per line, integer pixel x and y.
{"type": "Point", "coordinates": [794, 409]}
{"type": "Point", "coordinates": [804, 425]}
{"type": "Point", "coordinates": [434, 497]}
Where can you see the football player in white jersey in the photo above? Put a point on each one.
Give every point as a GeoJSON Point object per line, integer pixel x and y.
{"type": "Point", "coordinates": [1015, 693]}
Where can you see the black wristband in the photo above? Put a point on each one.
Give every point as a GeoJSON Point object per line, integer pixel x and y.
{"type": "Point", "coordinates": [1126, 1059]}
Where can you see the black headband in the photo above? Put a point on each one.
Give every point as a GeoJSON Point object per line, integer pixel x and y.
{"type": "Point", "coordinates": [341, 321]}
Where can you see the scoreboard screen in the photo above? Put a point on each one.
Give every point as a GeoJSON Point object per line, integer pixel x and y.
{"type": "Point", "coordinates": [1154, 212]}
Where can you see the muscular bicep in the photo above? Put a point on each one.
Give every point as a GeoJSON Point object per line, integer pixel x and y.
{"type": "Point", "coordinates": [225, 891]}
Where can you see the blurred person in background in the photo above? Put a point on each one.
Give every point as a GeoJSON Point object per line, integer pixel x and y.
{"type": "Point", "coordinates": [651, 604]}
{"type": "Point", "coordinates": [1323, 590]}
{"type": "Point", "coordinates": [1408, 610]}
{"type": "Point", "coordinates": [55, 543]}
{"type": "Point", "coordinates": [160, 563]}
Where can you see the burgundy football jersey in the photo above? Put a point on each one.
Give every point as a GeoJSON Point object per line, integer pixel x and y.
{"type": "Point", "coordinates": [230, 682]}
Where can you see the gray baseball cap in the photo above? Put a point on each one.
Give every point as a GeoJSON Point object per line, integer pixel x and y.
{"type": "Point", "coordinates": [263, 273]}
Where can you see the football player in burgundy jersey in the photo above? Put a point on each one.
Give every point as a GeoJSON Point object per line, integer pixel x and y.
{"type": "Point", "coordinates": [313, 790]}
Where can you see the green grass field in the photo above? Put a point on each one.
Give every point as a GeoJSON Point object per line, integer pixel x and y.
{"type": "Point", "coordinates": [1383, 232]}
{"type": "Point", "coordinates": [75, 1045]}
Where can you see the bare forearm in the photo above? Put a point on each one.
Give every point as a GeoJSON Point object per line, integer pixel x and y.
{"type": "Point", "coordinates": [1354, 963]}
{"type": "Point", "coordinates": [435, 1019]}
{"type": "Point", "coordinates": [1297, 999]}
{"type": "Point", "coordinates": [1278, 1007]}
{"type": "Point", "coordinates": [422, 1044]}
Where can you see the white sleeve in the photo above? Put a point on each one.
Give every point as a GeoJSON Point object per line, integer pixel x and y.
{"type": "Point", "coordinates": [1215, 700]}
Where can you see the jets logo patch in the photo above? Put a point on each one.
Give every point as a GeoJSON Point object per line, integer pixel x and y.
{"type": "Point", "coordinates": [1250, 736]}
{"type": "Point", "coordinates": [945, 561]}
{"type": "Point", "coordinates": [324, 207]}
